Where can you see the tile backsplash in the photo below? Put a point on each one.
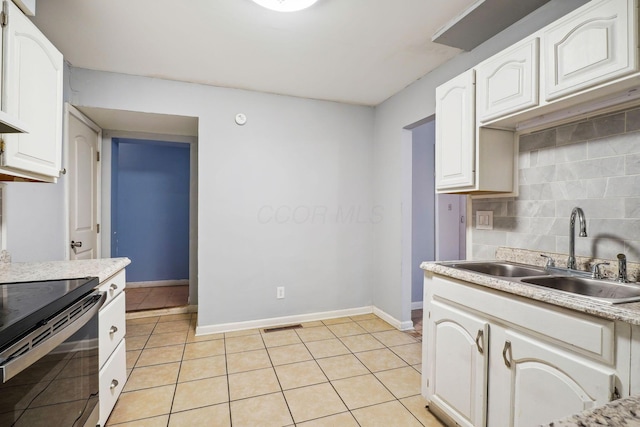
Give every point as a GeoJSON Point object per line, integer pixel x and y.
{"type": "Point", "coordinates": [593, 164]}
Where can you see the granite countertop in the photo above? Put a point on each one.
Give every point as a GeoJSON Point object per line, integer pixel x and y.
{"type": "Point", "coordinates": [619, 413]}
{"type": "Point", "coordinates": [628, 312]}
{"type": "Point", "coordinates": [50, 270]}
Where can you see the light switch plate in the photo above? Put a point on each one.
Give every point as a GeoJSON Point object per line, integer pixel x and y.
{"type": "Point", "coordinates": [484, 220]}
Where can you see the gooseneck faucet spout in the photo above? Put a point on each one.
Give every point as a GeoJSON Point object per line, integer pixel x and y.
{"type": "Point", "coordinates": [571, 262]}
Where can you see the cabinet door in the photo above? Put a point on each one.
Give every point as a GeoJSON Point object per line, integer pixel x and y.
{"type": "Point", "coordinates": [32, 82]}
{"type": "Point", "coordinates": [534, 383]}
{"type": "Point", "coordinates": [457, 364]}
{"type": "Point", "coordinates": [508, 82]}
{"type": "Point", "coordinates": [594, 45]}
{"type": "Point", "coordinates": [455, 132]}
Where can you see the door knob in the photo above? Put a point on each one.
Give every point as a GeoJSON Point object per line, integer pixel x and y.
{"type": "Point", "coordinates": [76, 244]}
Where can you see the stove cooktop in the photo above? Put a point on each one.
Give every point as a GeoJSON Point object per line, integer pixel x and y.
{"type": "Point", "coordinates": [25, 305]}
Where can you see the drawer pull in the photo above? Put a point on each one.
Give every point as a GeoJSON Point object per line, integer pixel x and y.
{"type": "Point", "coordinates": [479, 340]}
{"type": "Point", "coordinates": [113, 287]}
{"type": "Point", "coordinates": [113, 330]}
{"type": "Point", "coordinates": [505, 350]}
{"type": "Point", "coordinates": [114, 384]}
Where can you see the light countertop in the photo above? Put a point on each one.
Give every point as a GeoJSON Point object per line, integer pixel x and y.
{"type": "Point", "coordinates": [620, 413]}
{"type": "Point", "coordinates": [51, 270]}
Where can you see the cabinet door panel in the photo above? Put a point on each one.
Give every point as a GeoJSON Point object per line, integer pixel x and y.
{"type": "Point", "coordinates": [547, 383]}
{"type": "Point", "coordinates": [596, 45]}
{"type": "Point", "coordinates": [458, 370]}
{"type": "Point", "coordinates": [455, 132]}
{"type": "Point", "coordinates": [508, 82]}
{"type": "Point", "coordinates": [33, 70]}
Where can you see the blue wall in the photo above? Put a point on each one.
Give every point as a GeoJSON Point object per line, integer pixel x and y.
{"type": "Point", "coordinates": [150, 208]}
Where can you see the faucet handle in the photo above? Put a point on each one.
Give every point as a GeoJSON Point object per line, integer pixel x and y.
{"type": "Point", "coordinates": [595, 270]}
{"type": "Point", "coordinates": [622, 269]}
{"type": "Point", "coordinates": [550, 262]}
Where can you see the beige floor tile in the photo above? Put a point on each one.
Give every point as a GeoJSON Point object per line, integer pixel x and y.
{"type": "Point", "coordinates": [241, 333]}
{"type": "Point", "coordinates": [337, 320]}
{"type": "Point", "coordinates": [140, 404]}
{"type": "Point", "coordinates": [385, 415]}
{"type": "Point", "coordinates": [416, 405]}
{"type": "Point", "coordinates": [136, 343]}
{"type": "Point", "coordinates": [203, 349]}
{"type": "Point", "coordinates": [205, 367]}
{"type": "Point", "coordinates": [191, 336]}
{"type": "Point", "coordinates": [160, 355]}
{"type": "Point", "coordinates": [364, 342]}
{"type": "Point", "coordinates": [174, 317]}
{"type": "Point", "coordinates": [375, 325]}
{"type": "Point", "coordinates": [253, 383]}
{"type": "Point", "coordinates": [346, 329]}
{"type": "Point", "coordinates": [380, 360]}
{"type": "Point", "coordinates": [367, 316]}
{"type": "Point", "coordinates": [341, 420]}
{"type": "Point", "coordinates": [365, 390]}
{"type": "Point", "coordinates": [140, 329]}
{"type": "Point", "coordinates": [160, 421]}
{"type": "Point", "coordinates": [143, 320]}
{"type": "Point", "coordinates": [200, 393]}
{"type": "Point", "coordinates": [132, 357]}
{"type": "Point", "coordinates": [277, 339]}
{"type": "Point", "coordinates": [308, 403]}
{"type": "Point", "coordinates": [209, 416]}
{"type": "Point", "coordinates": [289, 354]}
{"type": "Point", "coordinates": [174, 326]}
{"type": "Point", "coordinates": [394, 338]}
{"type": "Point", "coordinates": [161, 340]}
{"type": "Point", "coordinates": [315, 334]}
{"type": "Point", "coordinates": [327, 348]}
{"type": "Point", "coordinates": [300, 374]}
{"type": "Point", "coordinates": [247, 361]}
{"type": "Point", "coordinates": [312, 324]}
{"type": "Point", "coordinates": [410, 353]}
{"type": "Point", "coordinates": [245, 343]}
{"type": "Point", "coordinates": [152, 376]}
{"type": "Point", "coordinates": [344, 366]}
{"type": "Point", "coordinates": [265, 411]}
{"type": "Point", "coordinates": [402, 382]}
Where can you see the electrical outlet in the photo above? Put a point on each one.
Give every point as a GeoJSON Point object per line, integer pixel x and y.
{"type": "Point", "coordinates": [280, 292]}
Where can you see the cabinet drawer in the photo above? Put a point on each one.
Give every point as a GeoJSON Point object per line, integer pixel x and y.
{"type": "Point", "coordinates": [112, 324]}
{"type": "Point", "coordinates": [579, 332]}
{"type": "Point", "coordinates": [113, 376]}
{"type": "Point", "coordinates": [113, 286]}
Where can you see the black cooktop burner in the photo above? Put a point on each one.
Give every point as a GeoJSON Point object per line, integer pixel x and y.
{"type": "Point", "coordinates": [24, 305]}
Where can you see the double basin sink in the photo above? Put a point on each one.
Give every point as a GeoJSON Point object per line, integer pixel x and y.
{"type": "Point", "coordinates": [572, 282]}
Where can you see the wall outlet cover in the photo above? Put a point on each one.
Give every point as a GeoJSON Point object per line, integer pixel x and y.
{"type": "Point", "coordinates": [484, 220]}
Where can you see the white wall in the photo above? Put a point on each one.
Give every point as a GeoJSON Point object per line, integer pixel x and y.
{"type": "Point", "coordinates": [284, 200]}
{"type": "Point", "coordinates": [411, 105]}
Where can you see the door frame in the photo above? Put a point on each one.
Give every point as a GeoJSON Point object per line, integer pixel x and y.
{"type": "Point", "coordinates": [68, 111]}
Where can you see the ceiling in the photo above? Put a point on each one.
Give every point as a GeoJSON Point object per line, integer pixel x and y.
{"type": "Point", "coordinates": [353, 51]}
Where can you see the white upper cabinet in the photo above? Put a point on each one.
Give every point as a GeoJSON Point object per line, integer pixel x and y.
{"type": "Point", "coordinates": [595, 44]}
{"type": "Point", "coordinates": [455, 132]}
{"type": "Point", "coordinates": [508, 82]}
{"type": "Point", "coordinates": [32, 92]}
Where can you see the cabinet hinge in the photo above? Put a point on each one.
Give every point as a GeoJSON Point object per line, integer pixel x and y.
{"type": "Point", "coordinates": [428, 315]}
{"type": "Point", "coordinates": [4, 15]}
{"type": "Point", "coordinates": [97, 156]}
{"type": "Point", "coordinates": [1, 146]}
{"type": "Point", "coordinates": [616, 394]}
{"type": "Point", "coordinates": [97, 228]}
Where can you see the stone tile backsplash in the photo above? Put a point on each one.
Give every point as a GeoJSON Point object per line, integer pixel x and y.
{"type": "Point", "coordinates": [593, 164]}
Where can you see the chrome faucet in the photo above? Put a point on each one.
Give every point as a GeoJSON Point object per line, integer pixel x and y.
{"type": "Point", "coordinates": [571, 262]}
{"type": "Point", "coordinates": [622, 269]}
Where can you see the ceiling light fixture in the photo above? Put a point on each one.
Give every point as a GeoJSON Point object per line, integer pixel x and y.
{"type": "Point", "coordinates": [285, 5]}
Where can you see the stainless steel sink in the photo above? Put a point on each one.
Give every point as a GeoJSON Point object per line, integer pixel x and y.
{"type": "Point", "coordinates": [500, 268]}
{"type": "Point", "coordinates": [612, 292]}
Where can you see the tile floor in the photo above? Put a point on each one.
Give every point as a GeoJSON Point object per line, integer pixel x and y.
{"type": "Point", "coordinates": [152, 298]}
{"type": "Point", "coordinates": [351, 371]}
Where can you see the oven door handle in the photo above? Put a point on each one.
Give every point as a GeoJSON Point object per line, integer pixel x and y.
{"type": "Point", "coordinates": [35, 352]}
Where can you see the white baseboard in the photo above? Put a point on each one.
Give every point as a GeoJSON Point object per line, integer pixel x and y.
{"type": "Point", "coordinates": [157, 283]}
{"type": "Point", "coordinates": [417, 305]}
{"type": "Point", "coordinates": [279, 321]}
{"type": "Point", "coordinates": [403, 326]}
{"type": "Point", "coordinates": [162, 312]}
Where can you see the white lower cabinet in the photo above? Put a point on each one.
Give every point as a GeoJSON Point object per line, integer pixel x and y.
{"type": "Point", "coordinates": [506, 366]}
{"type": "Point", "coordinates": [113, 376]}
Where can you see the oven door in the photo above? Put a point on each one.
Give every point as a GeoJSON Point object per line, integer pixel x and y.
{"type": "Point", "coordinates": [50, 376]}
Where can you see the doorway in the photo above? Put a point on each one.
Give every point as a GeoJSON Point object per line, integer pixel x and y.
{"type": "Point", "coordinates": [150, 211]}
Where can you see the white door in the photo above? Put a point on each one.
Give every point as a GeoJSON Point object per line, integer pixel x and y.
{"type": "Point", "coordinates": [457, 364]}
{"type": "Point", "coordinates": [83, 142]}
